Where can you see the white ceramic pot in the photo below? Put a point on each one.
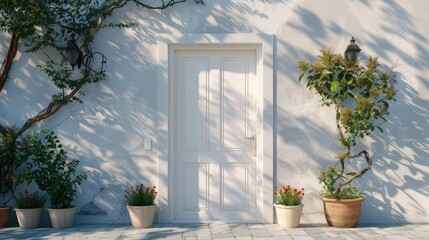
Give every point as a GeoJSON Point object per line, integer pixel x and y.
{"type": "Point", "coordinates": [29, 218]}
{"type": "Point", "coordinates": [288, 216]}
{"type": "Point", "coordinates": [62, 218]}
{"type": "Point", "coordinates": [142, 216]}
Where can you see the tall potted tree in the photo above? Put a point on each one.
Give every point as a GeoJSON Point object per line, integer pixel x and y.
{"type": "Point", "coordinates": [6, 181]}
{"type": "Point", "coordinates": [50, 168]}
{"type": "Point", "coordinates": [12, 156]}
{"type": "Point", "coordinates": [360, 95]}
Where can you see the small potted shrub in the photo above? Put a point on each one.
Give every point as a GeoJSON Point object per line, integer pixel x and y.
{"type": "Point", "coordinates": [29, 209]}
{"type": "Point", "coordinates": [360, 95]}
{"type": "Point", "coordinates": [289, 206]}
{"type": "Point", "coordinates": [50, 168]}
{"type": "Point", "coordinates": [141, 205]}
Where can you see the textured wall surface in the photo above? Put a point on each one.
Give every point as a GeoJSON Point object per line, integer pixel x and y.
{"type": "Point", "coordinates": [107, 131]}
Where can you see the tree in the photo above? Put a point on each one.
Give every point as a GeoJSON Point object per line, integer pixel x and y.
{"type": "Point", "coordinates": [360, 96]}
{"type": "Point", "coordinates": [43, 25]}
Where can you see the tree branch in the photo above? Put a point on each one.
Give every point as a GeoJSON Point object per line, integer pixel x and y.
{"type": "Point", "coordinates": [121, 4]}
{"type": "Point", "coordinates": [7, 63]}
{"type": "Point", "coordinates": [3, 130]}
{"type": "Point", "coordinates": [357, 175]}
{"type": "Point", "coordinates": [53, 106]}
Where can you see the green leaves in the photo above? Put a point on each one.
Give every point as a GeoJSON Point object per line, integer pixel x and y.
{"type": "Point", "coordinates": [356, 87]}
{"type": "Point", "coordinates": [334, 86]}
{"type": "Point", "coordinates": [52, 171]}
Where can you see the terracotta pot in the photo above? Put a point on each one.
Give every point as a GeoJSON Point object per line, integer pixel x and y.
{"type": "Point", "coordinates": [4, 216]}
{"type": "Point", "coordinates": [141, 216]}
{"type": "Point", "coordinates": [342, 213]}
{"type": "Point", "coordinates": [288, 216]}
{"type": "Point", "coordinates": [29, 218]}
{"type": "Point", "coordinates": [62, 218]}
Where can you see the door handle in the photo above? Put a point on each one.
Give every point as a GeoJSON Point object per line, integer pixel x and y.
{"type": "Point", "coordinates": [253, 144]}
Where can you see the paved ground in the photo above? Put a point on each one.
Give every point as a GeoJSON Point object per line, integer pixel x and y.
{"type": "Point", "coordinates": [220, 231]}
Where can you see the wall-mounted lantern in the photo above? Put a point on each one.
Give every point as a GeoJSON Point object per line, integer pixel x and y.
{"type": "Point", "coordinates": [352, 51]}
{"type": "Point", "coordinates": [74, 54]}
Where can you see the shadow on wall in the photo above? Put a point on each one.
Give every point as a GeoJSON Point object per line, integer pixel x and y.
{"type": "Point", "coordinates": [396, 188]}
{"type": "Point", "coordinates": [109, 129]}
{"type": "Point", "coordinates": [108, 133]}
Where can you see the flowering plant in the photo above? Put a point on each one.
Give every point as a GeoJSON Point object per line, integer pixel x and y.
{"type": "Point", "coordinates": [289, 196]}
{"type": "Point", "coordinates": [30, 200]}
{"type": "Point", "coordinates": [141, 196]}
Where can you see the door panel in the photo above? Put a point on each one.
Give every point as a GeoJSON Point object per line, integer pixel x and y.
{"type": "Point", "coordinates": [234, 94]}
{"type": "Point", "coordinates": [195, 197]}
{"type": "Point", "coordinates": [194, 104]}
{"type": "Point", "coordinates": [215, 109]}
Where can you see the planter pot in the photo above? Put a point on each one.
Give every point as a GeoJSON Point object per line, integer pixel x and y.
{"type": "Point", "coordinates": [4, 216]}
{"type": "Point", "coordinates": [62, 218]}
{"type": "Point", "coordinates": [29, 218]}
{"type": "Point", "coordinates": [288, 216]}
{"type": "Point", "coordinates": [141, 216]}
{"type": "Point", "coordinates": [342, 213]}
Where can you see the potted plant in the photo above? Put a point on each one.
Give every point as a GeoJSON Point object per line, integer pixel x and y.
{"type": "Point", "coordinates": [50, 168]}
{"type": "Point", "coordinates": [141, 205]}
{"type": "Point", "coordinates": [6, 181]}
{"type": "Point", "coordinates": [29, 209]}
{"type": "Point", "coordinates": [360, 96]}
{"type": "Point", "coordinates": [289, 206]}
{"type": "Point", "coordinates": [12, 155]}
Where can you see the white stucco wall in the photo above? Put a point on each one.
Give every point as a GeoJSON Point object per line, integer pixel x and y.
{"type": "Point", "coordinates": [107, 131]}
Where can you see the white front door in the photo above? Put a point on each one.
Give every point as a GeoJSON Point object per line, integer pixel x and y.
{"type": "Point", "coordinates": [215, 156]}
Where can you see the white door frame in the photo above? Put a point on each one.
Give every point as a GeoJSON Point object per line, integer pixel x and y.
{"type": "Point", "coordinates": [263, 45]}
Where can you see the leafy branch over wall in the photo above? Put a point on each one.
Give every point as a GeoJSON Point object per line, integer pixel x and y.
{"type": "Point", "coordinates": [46, 25]}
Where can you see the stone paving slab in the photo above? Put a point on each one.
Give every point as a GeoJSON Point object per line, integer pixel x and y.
{"type": "Point", "coordinates": [221, 231]}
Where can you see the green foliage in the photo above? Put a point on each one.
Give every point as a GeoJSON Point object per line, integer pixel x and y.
{"type": "Point", "coordinates": [30, 200]}
{"type": "Point", "coordinates": [330, 185]}
{"type": "Point", "coordinates": [140, 196]}
{"type": "Point", "coordinates": [12, 155]}
{"type": "Point", "coordinates": [52, 171]}
{"type": "Point", "coordinates": [361, 96]}
{"type": "Point", "coordinates": [288, 196]}
{"type": "Point", "coordinates": [51, 25]}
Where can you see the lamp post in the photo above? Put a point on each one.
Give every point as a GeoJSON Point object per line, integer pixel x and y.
{"type": "Point", "coordinates": [74, 54]}
{"type": "Point", "coordinates": [352, 51]}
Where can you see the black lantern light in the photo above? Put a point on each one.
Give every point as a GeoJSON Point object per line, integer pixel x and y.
{"type": "Point", "coordinates": [74, 54]}
{"type": "Point", "coordinates": [352, 51]}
